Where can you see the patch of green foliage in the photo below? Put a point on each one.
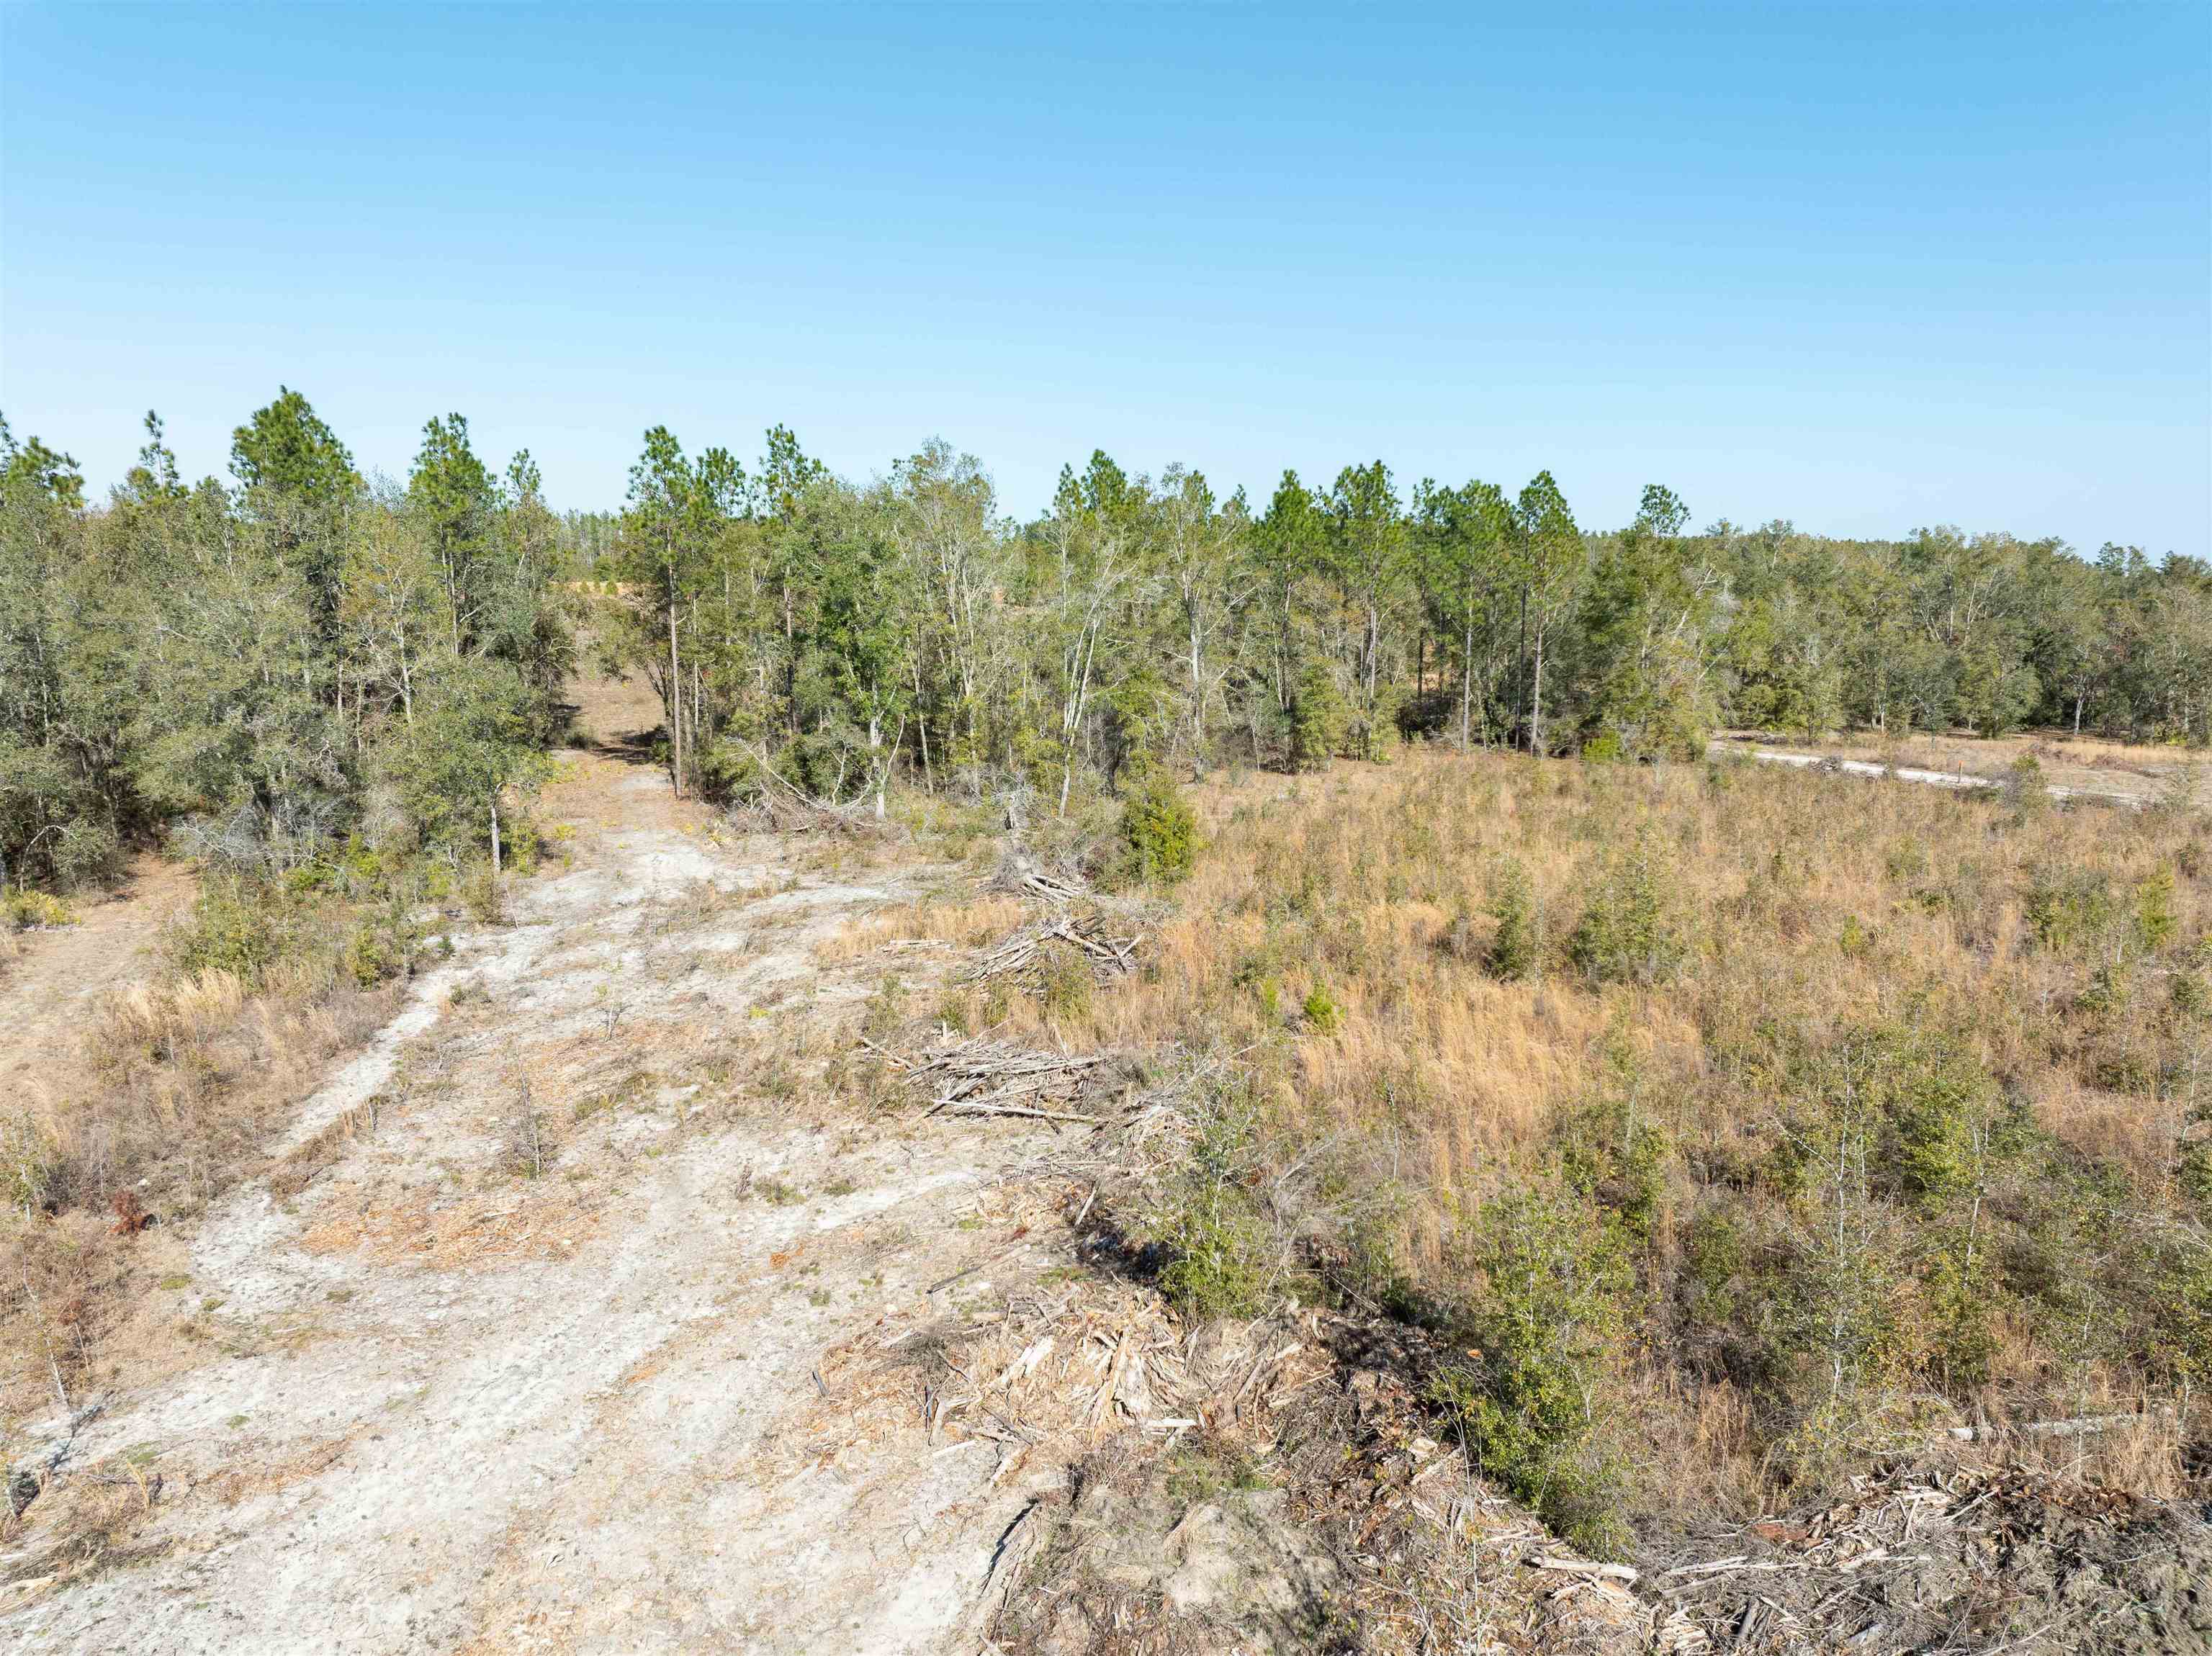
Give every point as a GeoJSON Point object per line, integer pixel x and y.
{"type": "Point", "coordinates": [1317, 719]}
{"type": "Point", "coordinates": [1632, 930]}
{"type": "Point", "coordinates": [1546, 1337]}
{"type": "Point", "coordinates": [1158, 832]}
{"type": "Point", "coordinates": [1515, 948]}
{"type": "Point", "coordinates": [1323, 1014]}
{"type": "Point", "coordinates": [1222, 1244]}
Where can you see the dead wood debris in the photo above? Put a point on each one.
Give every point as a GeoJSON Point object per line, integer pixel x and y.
{"type": "Point", "coordinates": [980, 1077]}
{"type": "Point", "coordinates": [1248, 1440]}
{"type": "Point", "coordinates": [1021, 953]}
{"type": "Point", "coordinates": [781, 808]}
{"type": "Point", "coordinates": [1021, 875]}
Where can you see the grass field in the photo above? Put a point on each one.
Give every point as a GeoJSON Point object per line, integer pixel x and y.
{"type": "Point", "coordinates": [1734, 1125]}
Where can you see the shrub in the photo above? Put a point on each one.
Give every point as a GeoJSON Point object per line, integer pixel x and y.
{"type": "Point", "coordinates": [1547, 1337]}
{"type": "Point", "coordinates": [1323, 1015]}
{"type": "Point", "coordinates": [1066, 983]}
{"type": "Point", "coordinates": [372, 954]}
{"type": "Point", "coordinates": [1159, 832]}
{"type": "Point", "coordinates": [1223, 1258]}
{"type": "Point", "coordinates": [1376, 734]}
{"type": "Point", "coordinates": [1631, 932]}
{"type": "Point", "coordinates": [1514, 949]}
{"type": "Point", "coordinates": [2155, 922]}
{"type": "Point", "coordinates": [1317, 719]}
{"type": "Point", "coordinates": [483, 897]}
{"type": "Point", "coordinates": [2025, 789]}
{"type": "Point", "coordinates": [29, 911]}
{"type": "Point", "coordinates": [2065, 907]}
{"type": "Point", "coordinates": [238, 924]}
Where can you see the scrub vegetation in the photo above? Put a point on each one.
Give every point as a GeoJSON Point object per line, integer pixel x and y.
{"type": "Point", "coordinates": [1734, 1127]}
{"type": "Point", "coordinates": [1722, 1130]}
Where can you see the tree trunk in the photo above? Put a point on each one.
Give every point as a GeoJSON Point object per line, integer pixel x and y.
{"type": "Point", "coordinates": [1374, 649]}
{"type": "Point", "coordinates": [1521, 670]}
{"type": "Point", "coordinates": [883, 771]}
{"type": "Point", "coordinates": [922, 726]}
{"type": "Point", "coordinates": [675, 688]}
{"type": "Point", "coordinates": [1465, 682]}
{"type": "Point", "coordinates": [495, 836]}
{"type": "Point", "coordinates": [1197, 686]}
{"type": "Point", "coordinates": [1536, 699]}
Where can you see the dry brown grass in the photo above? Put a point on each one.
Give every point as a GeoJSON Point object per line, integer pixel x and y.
{"type": "Point", "coordinates": [187, 1078]}
{"type": "Point", "coordinates": [1812, 908]}
{"type": "Point", "coordinates": [1771, 868]}
{"type": "Point", "coordinates": [447, 1234]}
{"type": "Point", "coordinates": [960, 922]}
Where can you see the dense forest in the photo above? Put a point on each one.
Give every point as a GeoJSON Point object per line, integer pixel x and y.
{"type": "Point", "coordinates": [268, 667]}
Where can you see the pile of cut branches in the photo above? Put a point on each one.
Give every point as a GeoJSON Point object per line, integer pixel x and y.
{"type": "Point", "coordinates": [1020, 954]}
{"type": "Point", "coordinates": [978, 1076]}
{"type": "Point", "coordinates": [775, 803]}
{"type": "Point", "coordinates": [1019, 874]}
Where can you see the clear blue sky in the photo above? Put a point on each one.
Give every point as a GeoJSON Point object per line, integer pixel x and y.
{"type": "Point", "coordinates": [1862, 267]}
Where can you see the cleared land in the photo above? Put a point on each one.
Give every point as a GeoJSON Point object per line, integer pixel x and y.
{"type": "Point", "coordinates": [675, 1266]}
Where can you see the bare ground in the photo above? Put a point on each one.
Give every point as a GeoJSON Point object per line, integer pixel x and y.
{"type": "Point", "coordinates": [2073, 768]}
{"type": "Point", "coordinates": [528, 1359]}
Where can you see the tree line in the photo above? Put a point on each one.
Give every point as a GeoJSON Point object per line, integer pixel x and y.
{"type": "Point", "coordinates": [267, 666]}
{"type": "Point", "coordinates": [805, 629]}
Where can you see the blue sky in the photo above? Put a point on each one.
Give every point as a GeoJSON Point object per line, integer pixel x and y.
{"type": "Point", "coordinates": [1863, 267]}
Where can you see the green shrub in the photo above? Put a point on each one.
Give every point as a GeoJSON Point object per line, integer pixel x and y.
{"type": "Point", "coordinates": [237, 924]}
{"type": "Point", "coordinates": [1612, 1150]}
{"type": "Point", "coordinates": [1223, 1257]}
{"type": "Point", "coordinates": [1323, 1015]}
{"type": "Point", "coordinates": [372, 954]}
{"type": "Point", "coordinates": [2025, 789]}
{"type": "Point", "coordinates": [2067, 907]}
{"type": "Point", "coordinates": [1375, 734]}
{"type": "Point", "coordinates": [1547, 1338]}
{"type": "Point", "coordinates": [484, 897]}
{"type": "Point", "coordinates": [1632, 931]}
{"type": "Point", "coordinates": [1159, 832]}
{"type": "Point", "coordinates": [2155, 921]}
{"type": "Point", "coordinates": [1066, 983]}
{"type": "Point", "coordinates": [1514, 950]}
{"type": "Point", "coordinates": [26, 911]}
{"type": "Point", "coordinates": [1317, 719]}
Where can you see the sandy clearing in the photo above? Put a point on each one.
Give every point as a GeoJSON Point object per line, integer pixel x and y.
{"type": "Point", "coordinates": [577, 1411]}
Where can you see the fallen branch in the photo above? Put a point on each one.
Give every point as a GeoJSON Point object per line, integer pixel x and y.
{"type": "Point", "coordinates": [1021, 875]}
{"type": "Point", "coordinates": [987, 1078]}
{"type": "Point", "coordinates": [1020, 952]}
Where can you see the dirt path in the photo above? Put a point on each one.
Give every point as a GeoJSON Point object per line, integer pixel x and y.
{"type": "Point", "coordinates": [1957, 779]}
{"type": "Point", "coordinates": [531, 1361]}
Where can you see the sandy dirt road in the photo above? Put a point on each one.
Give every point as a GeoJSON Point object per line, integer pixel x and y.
{"type": "Point", "coordinates": [450, 1406]}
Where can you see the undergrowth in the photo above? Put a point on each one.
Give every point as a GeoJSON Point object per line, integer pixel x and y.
{"type": "Point", "coordinates": [1734, 1127]}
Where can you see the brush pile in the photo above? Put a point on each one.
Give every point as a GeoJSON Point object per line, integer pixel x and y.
{"type": "Point", "coordinates": [1019, 874]}
{"type": "Point", "coordinates": [1966, 1555]}
{"type": "Point", "coordinates": [980, 1077]}
{"type": "Point", "coordinates": [1021, 955]}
